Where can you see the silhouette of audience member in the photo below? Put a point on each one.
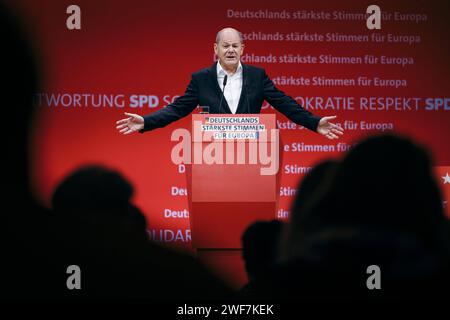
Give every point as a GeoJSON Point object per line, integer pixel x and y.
{"type": "Point", "coordinates": [310, 188]}
{"type": "Point", "coordinates": [25, 259]}
{"type": "Point", "coordinates": [105, 234]}
{"type": "Point", "coordinates": [286, 240]}
{"type": "Point", "coordinates": [95, 194]}
{"type": "Point", "coordinates": [260, 243]}
{"type": "Point", "coordinates": [383, 208]}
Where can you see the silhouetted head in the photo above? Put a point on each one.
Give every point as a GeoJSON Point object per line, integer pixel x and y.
{"type": "Point", "coordinates": [309, 190]}
{"type": "Point", "coordinates": [96, 198]}
{"type": "Point", "coordinates": [92, 188]}
{"type": "Point", "coordinates": [19, 84]}
{"type": "Point", "coordinates": [312, 185]}
{"type": "Point", "coordinates": [260, 246]}
{"type": "Point", "coordinates": [384, 182]}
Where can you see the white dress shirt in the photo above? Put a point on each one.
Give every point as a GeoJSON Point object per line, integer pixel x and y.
{"type": "Point", "coordinates": [233, 88]}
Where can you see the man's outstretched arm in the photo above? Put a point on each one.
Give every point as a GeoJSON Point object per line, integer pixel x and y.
{"type": "Point", "coordinates": [291, 109]}
{"type": "Point", "coordinates": [180, 108]}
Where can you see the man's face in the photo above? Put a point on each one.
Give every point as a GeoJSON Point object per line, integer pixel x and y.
{"type": "Point", "coordinates": [229, 50]}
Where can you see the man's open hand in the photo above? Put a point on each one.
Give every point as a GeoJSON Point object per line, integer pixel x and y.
{"type": "Point", "coordinates": [133, 123]}
{"type": "Point", "coordinates": [328, 129]}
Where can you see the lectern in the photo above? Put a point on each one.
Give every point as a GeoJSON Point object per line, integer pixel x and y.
{"type": "Point", "coordinates": [233, 181]}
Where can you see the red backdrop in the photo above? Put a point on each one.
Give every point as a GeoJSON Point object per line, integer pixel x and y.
{"type": "Point", "coordinates": [130, 48]}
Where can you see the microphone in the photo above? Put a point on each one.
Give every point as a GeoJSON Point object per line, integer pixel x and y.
{"type": "Point", "coordinates": [223, 92]}
{"type": "Point", "coordinates": [246, 98]}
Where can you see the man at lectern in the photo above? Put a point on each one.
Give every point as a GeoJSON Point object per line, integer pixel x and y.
{"type": "Point", "coordinates": [230, 87]}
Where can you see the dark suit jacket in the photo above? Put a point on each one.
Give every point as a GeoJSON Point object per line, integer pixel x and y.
{"type": "Point", "coordinates": [204, 90]}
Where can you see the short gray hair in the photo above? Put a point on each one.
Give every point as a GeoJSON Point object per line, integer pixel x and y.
{"type": "Point", "coordinates": [219, 34]}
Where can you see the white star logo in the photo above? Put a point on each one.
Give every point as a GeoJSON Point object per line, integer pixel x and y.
{"type": "Point", "coordinates": [446, 178]}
